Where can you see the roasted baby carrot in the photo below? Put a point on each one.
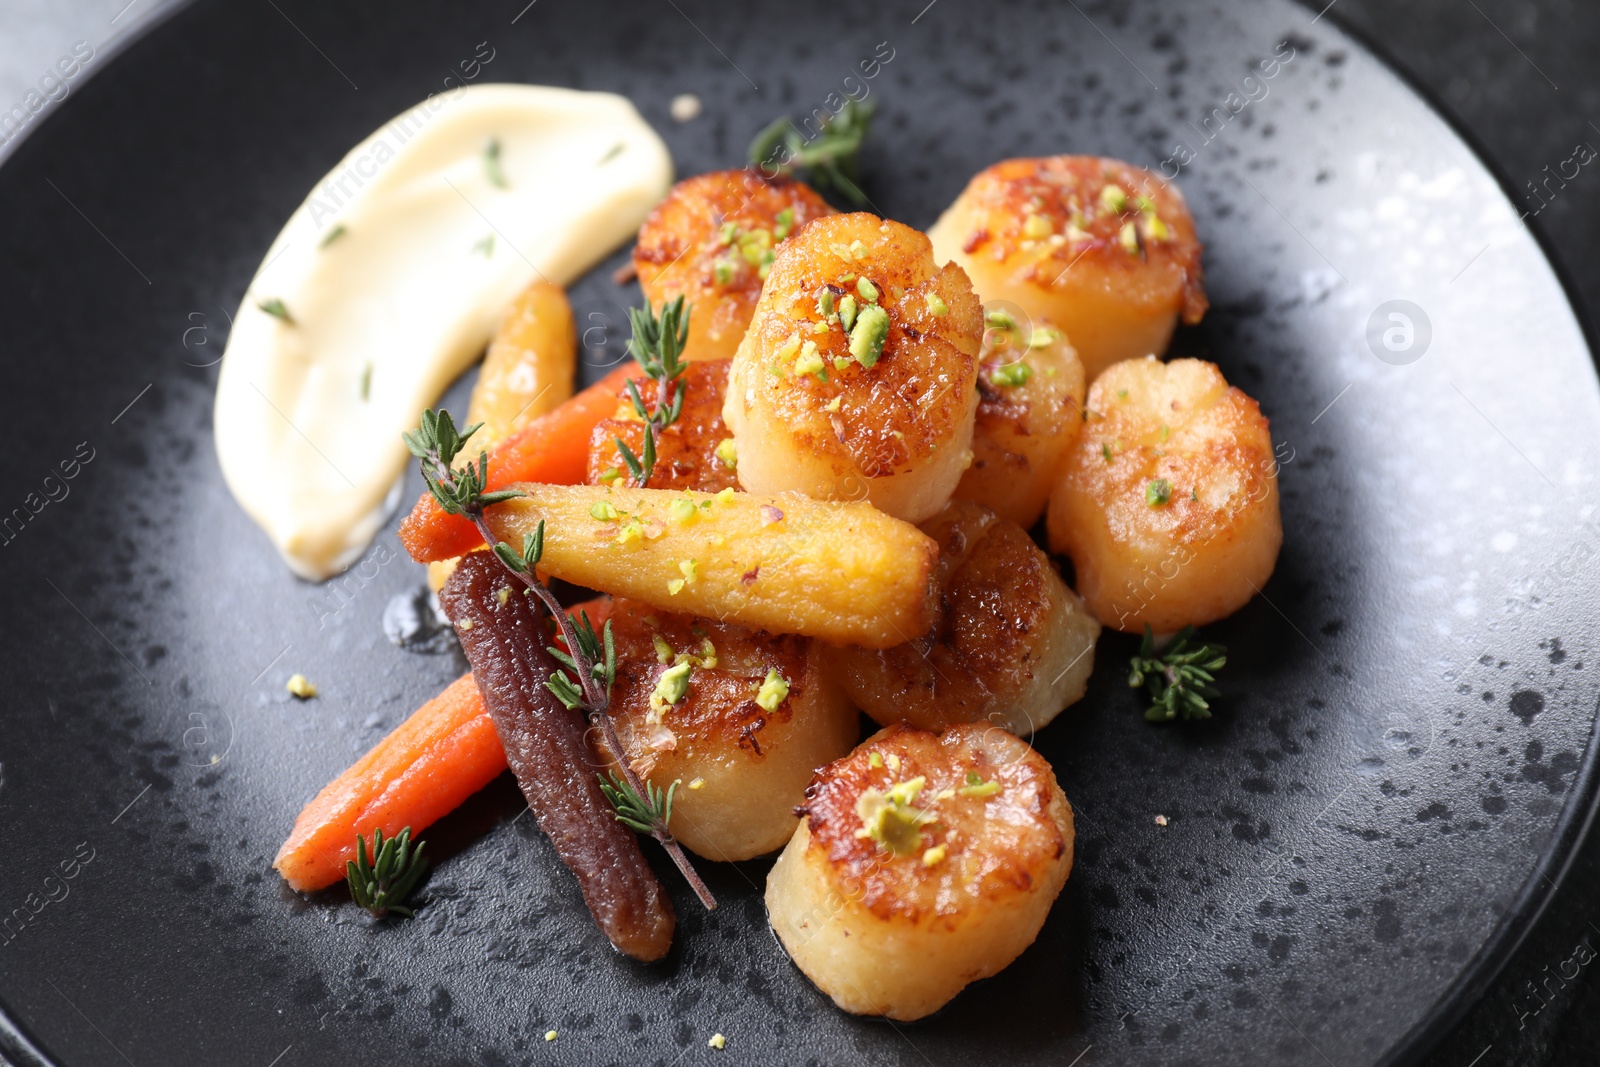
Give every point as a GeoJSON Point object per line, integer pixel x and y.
{"type": "Point", "coordinates": [553, 448]}
{"type": "Point", "coordinates": [549, 750]}
{"type": "Point", "coordinates": [446, 751]}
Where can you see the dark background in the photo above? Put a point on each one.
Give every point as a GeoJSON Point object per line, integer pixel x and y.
{"type": "Point", "coordinates": [1522, 81]}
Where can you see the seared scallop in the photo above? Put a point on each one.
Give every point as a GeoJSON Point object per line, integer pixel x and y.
{"type": "Point", "coordinates": [695, 452]}
{"type": "Point", "coordinates": [925, 861]}
{"type": "Point", "coordinates": [712, 241]}
{"type": "Point", "coordinates": [739, 720]}
{"type": "Point", "coordinates": [1168, 501]}
{"type": "Point", "coordinates": [1101, 249]}
{"type": "Point", "coordinates": [1030, 407]}
{"type": "Point", "coordinates": [857, 377]}
{"type": "Point", "coordinates": [1012, 646]}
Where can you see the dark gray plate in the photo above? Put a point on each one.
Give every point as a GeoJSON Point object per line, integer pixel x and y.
{"type": "Point", "coordinates": [1392, 785]}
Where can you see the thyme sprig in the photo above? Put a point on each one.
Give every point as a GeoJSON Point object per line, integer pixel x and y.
{"type": "Point", "coordinates": [1179, 677]}
{"type": "Point", "coordinates": [599, 652]}
{"type": "Point", "coordinates": [647, 813]}
{"type": "Point", "coordinates": [657, 344]}
{"type": "Point", "coordinates": [590, 659]}
{"type": "Point", "coordinates": [831, 158]}
{"type": "Point", "coordinates": [382, 882]}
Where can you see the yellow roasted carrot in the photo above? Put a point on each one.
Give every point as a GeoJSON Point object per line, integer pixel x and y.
{"type": "Point", "coordinates": [841, 571]}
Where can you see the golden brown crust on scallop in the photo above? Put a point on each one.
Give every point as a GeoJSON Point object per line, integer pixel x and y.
{"type": "Point", "coordinates": [686, 451]}
{"type": "Point", "coordinates": [685, 249]}
{"type": "Point", "coordinates": [741, 761]}
{"type": "Point", "coordinates": [900, 410]}
{"type": "Point", "coordinates": [1081, 226]}
{"type": "Point", "coordinates": [1012, 645]}
{"type": "Point", "coordinates": [1030, 407]}
{"type": "Point", "coordinates": [719, 709]}
{"type": "Point", "coordinates": [1203, 552]}
{"type": "Point", "coordinates": [996, 847]}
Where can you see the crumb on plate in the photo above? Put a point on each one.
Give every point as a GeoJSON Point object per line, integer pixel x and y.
{"type": "Point", "coordinates": [685, 107]}
{"type": "Point", "coordinates": [301, 686]}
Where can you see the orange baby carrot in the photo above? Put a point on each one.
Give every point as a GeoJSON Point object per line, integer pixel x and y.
{"type": "Point", "coordinates": [553, 448]}
{"type": "Point", "coordinates": [446, 751]}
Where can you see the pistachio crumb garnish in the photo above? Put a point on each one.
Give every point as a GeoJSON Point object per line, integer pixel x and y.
{"type": "Point", "coordinates": [934, 856]}
{"type": "Point", "coordinates": [773, 692]}
{"type": "Point", "coordinates": [1042, 337]}
{"type": "Point", "coordinates": [977, 787]}
{"type": "Point", "coordinates": [868, 291]}
{"type": "Point", "coordinates": [888, 817]}
{"type": "Point", "coordinates": [1114, 198]}
{"type": "Point", "coordinates": [825, 304]}
{"type": "Point", "coordinates": [790, 346]}
{"type": "Point", "coordinates": [697, 783]}
{"type": "Point", "coordinates": [717, 1041]}
{"type": "Point", "coordinates": [663, 650]}
{"type": "Point", "coordinates": [867, 337]}
{"type": "Point", "coordinates": [936, 304]}
{"type": "Point", "coordinates": [810, 359]}
{"type": "Point", "coordinates": [1036, 226]}
{"type": "Point", "coordinates": [847, 313]}
{"type": "Point", "coordinates": [893, 761]}
{"type": "Point", "coordinates": [722, 271]}
{"type": "Point", "coordinates": [671, 686]}
{"type": "Point", "coordinates": [729, 233]}
{"type": "Point", "coordinates": [728, 453]}
{"type": "Point", "coordinates": [1000, 319]}
{"type": "Point", "coordinates": [503, 595]}
{"type": "Point", "coordinates": [1128, 237]}
{"type": "Point", "coordinates": [549, 1035]}
{"type": "Point", "coordinates": [875, 760]}
{"type": "Point", "coordinates": [610, 474]}
{"type": "Point", "coordinates": [1157, 492]}
{"type": "Point", "coordinates": [301, 686]}
{"type": "Point", "coordinates": [603, 510]}
{"type": "Point", "coordinates": [858, 250]}
{"type": "Point", "coordinates": [682, 511]}
{"type": "Point", "coordinates": [1011, 375]}
{"type": "Point", "coordinates": [834, 404]}
{"type": "Point", "coordinates": [785, 223]}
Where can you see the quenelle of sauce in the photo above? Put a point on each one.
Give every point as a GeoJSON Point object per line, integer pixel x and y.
{"type": "Point", "coordinates": [388, 281]}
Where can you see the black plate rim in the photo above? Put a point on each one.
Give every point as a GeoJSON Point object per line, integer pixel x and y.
{"type": "Point", "coordinates": [1578, 816]}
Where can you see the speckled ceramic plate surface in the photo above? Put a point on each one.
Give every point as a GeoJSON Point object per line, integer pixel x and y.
{"type": "Point", "coordinates": [1389, 789]}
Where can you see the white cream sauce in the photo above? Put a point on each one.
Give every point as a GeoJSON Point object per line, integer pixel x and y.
{"type": "Point", "coordinates": [394, 274]}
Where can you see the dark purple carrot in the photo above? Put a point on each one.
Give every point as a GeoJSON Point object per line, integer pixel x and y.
{"type": "Point", "coordinates": [548, 750]}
